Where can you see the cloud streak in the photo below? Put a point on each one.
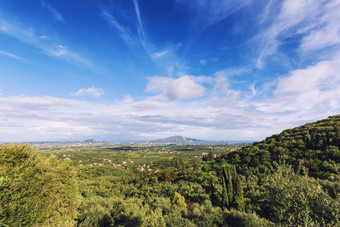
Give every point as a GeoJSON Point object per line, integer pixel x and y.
{"type": "Point", "coordinates": [11, 55]}
{"type": "Point", "coordinates": [123, 31]}
{"type": "Point", "coordinates": [136, 5]}
{"type": "Point", "coordinates": [136, 37]}
{"type": "Point", "coordinates": [210, 12]}
{"type": "Point", "coordinates": [53, 12]}
{"type": "Point", "coordinates": [43, 43]}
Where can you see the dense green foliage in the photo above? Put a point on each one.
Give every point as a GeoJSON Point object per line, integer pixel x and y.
{"type": "Point", "coordinates": [232, 195]}
{"type": "Point", "coordinates": [314, 145]}
{"type": "Point", "coordinates": [119, 197]}
{"type": "Point", "coordinates": [296, 199]}
{"type": "Point", "coordinates": [279, 192]}
{"type": "Point", "coordinates": [189, 185]}
{"type": "Point", "coordinates": [35, 190]}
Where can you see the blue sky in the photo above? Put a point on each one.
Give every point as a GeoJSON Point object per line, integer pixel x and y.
{"type": "Point", "coordinates": [124, 70]}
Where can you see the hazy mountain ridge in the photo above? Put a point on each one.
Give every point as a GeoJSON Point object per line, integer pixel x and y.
{"type": "Point", "coordinates": [178, 140]}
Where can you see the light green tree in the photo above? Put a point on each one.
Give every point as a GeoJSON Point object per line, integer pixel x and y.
{"type": "Point", "coordinates": [298, 200]}
{"type": "Point", "coordinates": [36, 190]}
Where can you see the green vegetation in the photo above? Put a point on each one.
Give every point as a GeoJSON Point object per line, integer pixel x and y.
{"type": "Point", "coordinates": [34, 190]}
{"type": "Point", "coordinates": [232, 194]}
{"type": "Point", "coordinates": [290, 179]}
{"type": "Point", "coordinates": [296, 199]}
{"type": "Point", "coordinates": [314, 145]}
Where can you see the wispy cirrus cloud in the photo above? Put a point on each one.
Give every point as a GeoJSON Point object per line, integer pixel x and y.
{"type": "Point", "coordinates": [136, 37]}
{"type": "Point", "coordinates": [92, 91]}
{"type": "Point", "coordinates": [209, 12]}
{"type": "Point", "coordinates": [136, 5]}
{"type": "Point", "coordinates": [157, 55]}
{"type": "Point", "coordinates": [11, 55]}
{"type": "Point", "coordinates": [123, 31]}
{"type": "Point", "coordinates": [165, 57]}
{"type": "Point", "coordinates": [43, 43]}
{"type": "Point", "coordinates": [54, 13]}
{"type": "Point", "coordinates": [315, 24]}
{"type": "Point", "coordinates": [169, 60]}
{"type": "Point", "coordinates": [326, 28]}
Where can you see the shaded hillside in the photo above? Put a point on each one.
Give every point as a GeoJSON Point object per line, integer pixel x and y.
{"type": "Point", "coordinates": [314, 145]}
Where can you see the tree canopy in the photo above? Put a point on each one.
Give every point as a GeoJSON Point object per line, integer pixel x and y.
{"type": "Point", "coordinates": [36, 190]}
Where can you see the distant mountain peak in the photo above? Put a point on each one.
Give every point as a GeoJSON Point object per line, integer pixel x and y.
{"type": "Point", "coordinates": [177, 140]}
{"type": "Point", "coordinates": [90, 141]}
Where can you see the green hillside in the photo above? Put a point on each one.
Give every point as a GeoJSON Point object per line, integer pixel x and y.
{"type": "Point", "coordinates": [313, 145]}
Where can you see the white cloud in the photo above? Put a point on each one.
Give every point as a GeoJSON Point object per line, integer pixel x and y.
{"type": "Point", "coordinates": [324, 75]}
{"type": "Point", "coordinates": [222, 88]}
{"type": "Point", "coordinates": [313, 90]}
{"type": "Point", "coordinates": [185, 88]}
{"type": "Point", "coordinates": [173, 108]}
{"type": "Point", "coordinates": [216, 116]}
{"type": "Point", "coordinates": [128, 99]}
{"type": "Point", "coordinates": [158, 84]}
{"type": "Point", "coordinates": [325, 30]}
{"type": "Point", "coordinates": [92, 91]}
{"type": "Point", "coordinates": [54, 13]}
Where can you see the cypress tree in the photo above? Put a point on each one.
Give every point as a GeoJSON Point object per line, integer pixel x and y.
{"type": "Point", "coordinates": [232, 194]}
{"type": "Point", "coordinates": [225, 197]}
{"type": "Point", "coordinates": [337, 135]}
{"type": "Point", "coordinates": [239, 197]}
{"type": "Point", "coordinates": [230, 186]}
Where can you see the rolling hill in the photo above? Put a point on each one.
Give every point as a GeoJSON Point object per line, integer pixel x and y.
{"type": "Point", "coordinates": [314, 145]}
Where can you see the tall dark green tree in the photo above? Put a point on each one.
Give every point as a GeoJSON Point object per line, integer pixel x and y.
{"type": "Point", "coordinates": [232, 194]}
{"type": "Point", "coordinates": [337, 135]}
